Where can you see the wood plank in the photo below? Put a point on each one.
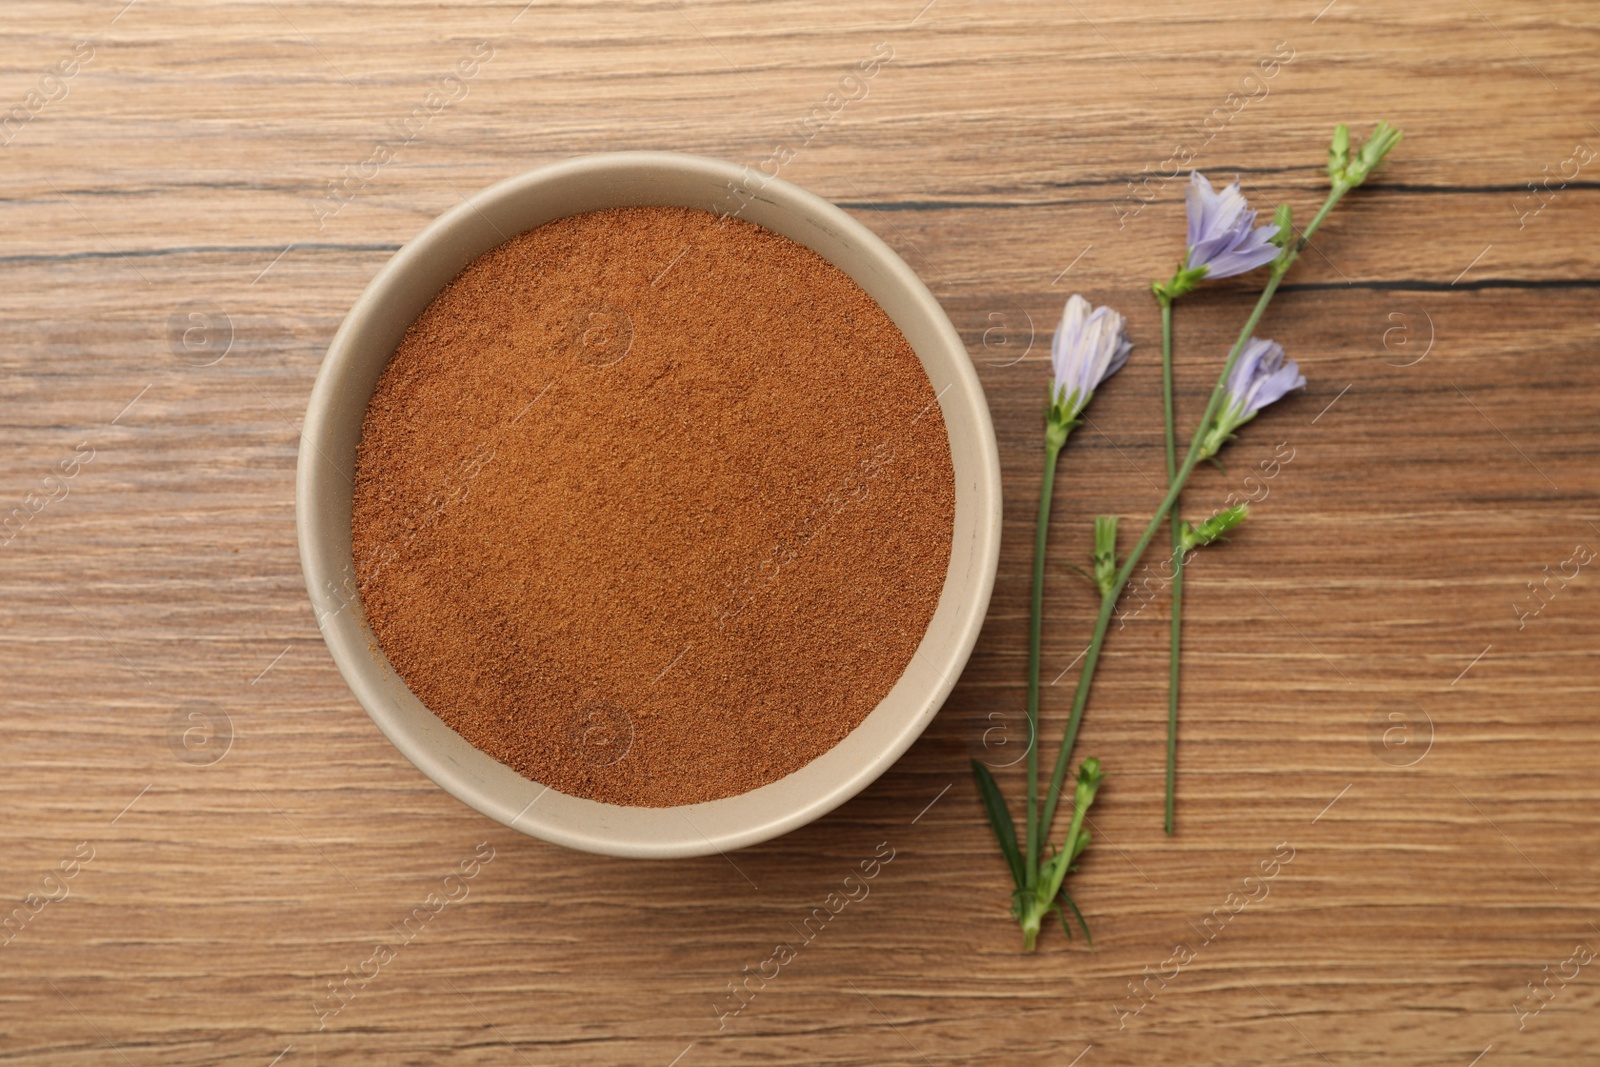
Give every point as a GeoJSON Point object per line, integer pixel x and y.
{"type": "Point", "coordinates": [1008, 153]}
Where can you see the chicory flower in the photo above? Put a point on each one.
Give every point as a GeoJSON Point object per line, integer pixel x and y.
{"type": "Point", "coordinates": [1224, 239]}
{"type": "Point", "coordinates": [1089, 346]}
{"type": "Point", "coordinates": [1223, 236]}
{"type": "Point", "coordinates": [1260, 376]}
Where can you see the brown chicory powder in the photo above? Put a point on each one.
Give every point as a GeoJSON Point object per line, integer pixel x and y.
{"type": "Point", "coordinates": [652, 505]}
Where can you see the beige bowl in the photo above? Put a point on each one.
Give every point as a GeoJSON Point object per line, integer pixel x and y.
{"type": "Point", "coordinates": [362, 348]}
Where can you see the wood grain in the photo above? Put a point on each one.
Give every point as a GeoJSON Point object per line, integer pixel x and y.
{"type": "Point", "coordinates": [1443, 455]}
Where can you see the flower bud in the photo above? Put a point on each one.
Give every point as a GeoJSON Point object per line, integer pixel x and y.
{"type": "Point", "coordinates": [1213, 529]}
{"type": "Point", "coordinates": [1089, 778]}
{"type": "Point", "coordinates": [1345, 172]}
{"type": "Point", "coordinates": [1105, 552]}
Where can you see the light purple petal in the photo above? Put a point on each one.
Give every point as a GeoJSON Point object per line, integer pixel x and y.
{"type": "Point", "coordinates": [1260, 377]}
{"type": "Point", "coordinates": [1118, 358]}
{"type": "Point", "coordinates": [1196, 197]}
{"type": "Point", "coordinates": [1255, 250]}
{"type": "Point", "coordinates": [1211, 212]}
{"type": "Point", "coordinates": [1245, 369]}
{"type": "Point", "coordinates": [1274, 388]}
{"type": "Point", "coordinates": [1208, 249]}
{"type": "Point", "coordinates": [1099, 343]}
{"type": "Point", "coordinates": [1066, 340]}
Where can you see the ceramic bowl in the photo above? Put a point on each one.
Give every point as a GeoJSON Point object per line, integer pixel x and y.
{"type": "Point", "coordinates": [367, 339]}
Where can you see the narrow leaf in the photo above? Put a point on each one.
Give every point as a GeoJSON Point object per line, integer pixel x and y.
{"type": "Point", "coordinates": [1079, 914]}
{"type": "Point", "coordinates": [1064, 927]}
{"type": "Point", "coordinates": [1000, 821]}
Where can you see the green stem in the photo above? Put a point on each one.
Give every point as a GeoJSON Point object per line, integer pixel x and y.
{"type": "Point", "coordinates": [1054, 439]}
{"type": "Point", "coordinates": [1172, 677]}
{"type": "Point", "coordinates": [1166, 385]}
{"type": "Point", "coordinates": [1030, 928]}
{"type": "Point", "coordinates": [1175, 645]}
{"type": "Point", "coordinates": [1109, 600]}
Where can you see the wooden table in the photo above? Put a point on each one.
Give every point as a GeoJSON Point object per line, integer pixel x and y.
{"type": "Point", "coordinates": [193, 195]}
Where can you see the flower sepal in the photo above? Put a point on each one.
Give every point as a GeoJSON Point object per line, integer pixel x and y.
{"type": "Point", "coordinates": [1061, 415]}
{"type": "Point", "coordinates": [1185, 281]}
{"type": "Point", "coordinates": [1283, 219]}
{"type": "Point", "coordinates": [1221, 432]}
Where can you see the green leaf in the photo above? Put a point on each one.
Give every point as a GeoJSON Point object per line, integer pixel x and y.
{"type": "Point", "coordinates": [1284, 221]}
{"type": "Point", "coordinates": [1000, 821]}
{"type": "Point", "coordinates": [1086, 575]}
{"type": "Point", "coordinates": [1079, 914]}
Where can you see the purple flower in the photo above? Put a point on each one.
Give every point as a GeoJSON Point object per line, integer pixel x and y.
{"type": "Point", "coordinates": [1260, 376]}
{"type": "Point", "coordinates": [1221, 240]}
{"type": "Point", "coordinates": [1088, 347]}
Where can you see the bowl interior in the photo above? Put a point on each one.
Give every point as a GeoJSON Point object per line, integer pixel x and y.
{"type": "Point", "coordinates": [362, 348]}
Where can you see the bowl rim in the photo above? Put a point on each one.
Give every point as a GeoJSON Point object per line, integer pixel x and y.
{"type": "Point", "coordinates": [321, 572]}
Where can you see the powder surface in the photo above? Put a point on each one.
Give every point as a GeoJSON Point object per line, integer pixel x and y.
{"type": "Point", "coordinates": [653, 506]}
